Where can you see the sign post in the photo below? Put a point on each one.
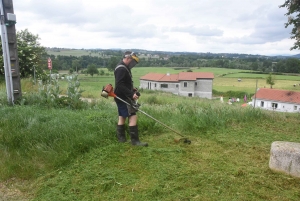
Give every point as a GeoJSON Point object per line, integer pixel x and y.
{"type": "Point", "coordinates": [50, 66]}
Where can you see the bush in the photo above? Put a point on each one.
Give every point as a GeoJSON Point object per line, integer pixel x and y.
{"type": "Point", "coordinates": [236, 94]}
{"type": "Point", "coordinates": [49, 95]}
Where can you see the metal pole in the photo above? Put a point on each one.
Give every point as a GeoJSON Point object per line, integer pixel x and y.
{"type": "Point", "coordinates": [255, 94]}
{"type": "Point", "coordinates": [6, 58]}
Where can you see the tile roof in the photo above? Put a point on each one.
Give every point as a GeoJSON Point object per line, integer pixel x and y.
{"type": "Point", "coordinates": [278, 95]}
{"type": "Point", "coordinates": [177, 77]}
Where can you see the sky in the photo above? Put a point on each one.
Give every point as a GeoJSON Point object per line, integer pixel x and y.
{"type": "Point", "coordinates": [216, 26]}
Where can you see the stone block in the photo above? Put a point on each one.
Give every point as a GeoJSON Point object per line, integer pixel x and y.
{"type": "Point", "coordinates": [285, 157]}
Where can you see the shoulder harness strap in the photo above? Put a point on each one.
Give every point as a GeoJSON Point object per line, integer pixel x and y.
{"type": "Point", "coordinates": [123, 67]}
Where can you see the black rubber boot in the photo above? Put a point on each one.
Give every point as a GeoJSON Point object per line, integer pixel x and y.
{"type": "Point", "coordinates": [134, 135]}
{"type": "Point", "coordinates": [121, 133]}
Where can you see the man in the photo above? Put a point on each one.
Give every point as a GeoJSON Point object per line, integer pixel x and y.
{"type": "Point", "coordinates": [124, 89]}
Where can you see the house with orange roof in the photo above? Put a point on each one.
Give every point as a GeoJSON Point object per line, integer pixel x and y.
{"type": "Point", "coordinates": [277, 100]}
{"type": "Point", "coordinates": [192, 84]}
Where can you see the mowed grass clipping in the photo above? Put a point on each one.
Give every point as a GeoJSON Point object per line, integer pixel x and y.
{"type": "Point", "coordinates": [74, 155]}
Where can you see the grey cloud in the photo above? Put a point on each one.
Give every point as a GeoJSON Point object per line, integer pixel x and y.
{"type": "Point", "coordinates": [56, 11]}
{"type": "Point", "coordinates": [198, 31]}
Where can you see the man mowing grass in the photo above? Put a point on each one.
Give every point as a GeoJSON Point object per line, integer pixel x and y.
{"type": "Point", "coordinates": [125, 90]}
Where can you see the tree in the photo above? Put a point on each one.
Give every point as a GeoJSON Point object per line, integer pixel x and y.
{"type": "Point", "coordinates": [270, 80]}
{"type": "Point", "coordinates": [292, 65]}
{"type": "Point", "coordinates": [112, 63]}
{"type": "Point", "coordinates": [76, 65]}
{"type": "Point", "coordinates": [293, 7]}
{"type": "Point", "coordinates": [30, 53]}
{"type": "Point", "coordinates": [92, 69]}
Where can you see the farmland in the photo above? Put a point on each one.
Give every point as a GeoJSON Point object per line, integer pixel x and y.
{"type": "Point", "coordinates": [225, 79]}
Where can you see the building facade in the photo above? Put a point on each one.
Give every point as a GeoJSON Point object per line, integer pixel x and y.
{"type": "Point", "coordinates": [277, 100]}
{"type": "Point", "coordinates": [192, 84]}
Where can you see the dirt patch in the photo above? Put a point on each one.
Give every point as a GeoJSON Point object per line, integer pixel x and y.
{"type": "Point", "coordinates": [10, 192]}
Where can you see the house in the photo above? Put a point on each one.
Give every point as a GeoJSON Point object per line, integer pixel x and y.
{"type": "Point", "coordinates": [277, 100]}
{"type": "Point", "coordinates": [184, 83]}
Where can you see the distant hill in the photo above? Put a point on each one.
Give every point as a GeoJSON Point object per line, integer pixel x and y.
{"type": "Point", "coordinates": [98, 52]}
{"type": "Point", "coordinates": [297, 56]}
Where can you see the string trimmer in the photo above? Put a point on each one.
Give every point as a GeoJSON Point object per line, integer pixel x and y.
{"type": "Point", "coordinates": [108, 90]}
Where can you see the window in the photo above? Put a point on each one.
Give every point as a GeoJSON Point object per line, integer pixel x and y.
{"type": "Point", "coordinates": [155, 84]}
{"type": "Point", "coordinates": [195, 83]}
{"type": "Point", "coordinates": [274, 105]}
{"type": "Point", "coordinates": [262, 104]}
{"type": "Point", "coordinates": [164, 86]}
{"type": "Point", "coordinates": [295, 107]}
{"type": "Point", "coordinates": [185, 84]}
{"type": "Point", "coordinates": [176, 85]}
{"type": "Point", "coordinates": [190, 95]}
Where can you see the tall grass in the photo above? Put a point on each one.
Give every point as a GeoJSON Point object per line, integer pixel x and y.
{"type": "Point", "coordinates": [52, 138]}
{"type": "Point", "coordinates": [69, 154]}
{"type": "Point", "coordinates": [34, 140]}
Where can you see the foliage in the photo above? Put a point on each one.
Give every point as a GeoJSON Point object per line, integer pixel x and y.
{"type": "Point", "coordinates": [92, 69]}
{"type": "Point", "coordinates": [293, 7]}
{"type": "Point", "coordinates": [76, 65]}
{"type": "Point", "coordinates": [112, 63]}
{"type": "Point", "coordinates": [291, 65]}
{"type": "Point", "coordinates": [30, 54]}
{"type": "Point", "coordinates": [186, 61]}
{"type": "Point", "coordinates": [73, 91]}
{"type": "Point", "coordinates": [270, 80]}
{"type": "Point", "coordinates": [231, 94]}
{"type": "Point", "coordinates": [49, 95]}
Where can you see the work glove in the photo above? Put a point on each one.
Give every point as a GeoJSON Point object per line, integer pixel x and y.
{"type": "Point", "coordinates": [133, 107]}
{"type": "Point", "coordinates": [135, 90]}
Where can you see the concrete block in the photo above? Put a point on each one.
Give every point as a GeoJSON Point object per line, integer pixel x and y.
{"type": "Point", "coordinates": [285, 157]}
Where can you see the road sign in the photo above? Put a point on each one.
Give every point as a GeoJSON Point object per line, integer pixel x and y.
{"type": "Point", "coordinates": [49, 63]}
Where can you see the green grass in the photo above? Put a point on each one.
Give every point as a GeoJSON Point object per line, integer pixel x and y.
{"type": "Point", "coordinates": [229, 82]}
{"type": "Point", "coordinates": [73, 155]}
{"type": "Point", "coordinates": [63, 154]}
{"type": "Point", "coordinates": [263, 76]}
{"type": "Point", "coordinates": [76, 53]}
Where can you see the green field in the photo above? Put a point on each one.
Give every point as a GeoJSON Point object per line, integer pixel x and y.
{"type": "Point", "coordinates": [225, 80]}
{"type": "Point", "coordinates": [76, 53]}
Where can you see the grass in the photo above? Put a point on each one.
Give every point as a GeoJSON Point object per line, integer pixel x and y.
{"type": "Point", "coordinates": [229, 82]}
{"type": "Point", "coordinates": [73, 155]}
{"type": "Point", "coordinates": [63, 154]}
{"type": "Point", "coordinates": [76, 53]}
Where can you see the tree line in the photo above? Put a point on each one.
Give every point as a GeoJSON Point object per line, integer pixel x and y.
{"type": "Point", "coordinates": [33, 58]}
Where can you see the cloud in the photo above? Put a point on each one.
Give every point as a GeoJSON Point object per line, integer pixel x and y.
{"type": "Point", "coordinates": [198, 31]}
{"type": "Point", "coordinates": [251, 26]}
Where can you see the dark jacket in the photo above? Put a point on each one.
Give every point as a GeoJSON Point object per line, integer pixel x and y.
{"type": "Point", "coordinates": [123, 82]}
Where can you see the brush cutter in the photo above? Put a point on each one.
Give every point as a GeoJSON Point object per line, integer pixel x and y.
{"type": "Point", "coordinates": [108, 91]}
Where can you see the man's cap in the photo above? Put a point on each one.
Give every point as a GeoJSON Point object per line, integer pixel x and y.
{"type": "Point", "coordinates": [131, 55]}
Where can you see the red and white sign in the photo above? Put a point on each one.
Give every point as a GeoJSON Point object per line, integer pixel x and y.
{"type": "Point", "coordinates": [49, 63]}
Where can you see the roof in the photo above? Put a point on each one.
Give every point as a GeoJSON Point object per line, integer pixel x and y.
{"type": "Point", "coordinates": [186, 76]}
{"type": "Point", "coordinates": [278, 95]}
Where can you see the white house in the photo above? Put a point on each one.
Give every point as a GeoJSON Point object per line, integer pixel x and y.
{"type": "Point", "coordinates": [277, 100]}
{"type": "Point", "coordinates": [183, 84]}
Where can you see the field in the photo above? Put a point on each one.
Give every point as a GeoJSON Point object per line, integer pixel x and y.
{"type": "Point", "coordinates": [225, 80]}
{"type": "Point", "coordinates": [76, 53]}
{"type": "Point", "coordinates": [49, 153]}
